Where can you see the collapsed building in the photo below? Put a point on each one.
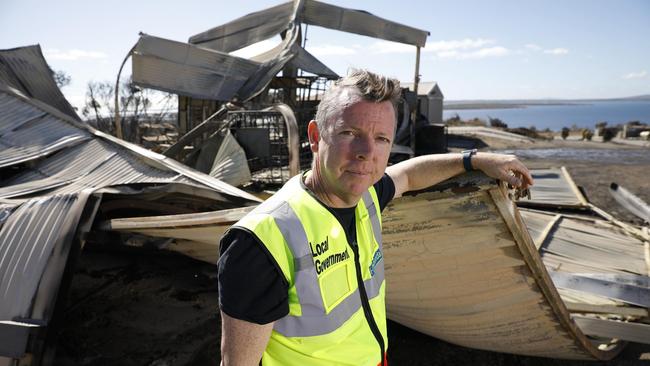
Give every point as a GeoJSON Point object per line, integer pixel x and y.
{"type": "Point", "coordinates": [266, 101]}
{"type": "Point", "coordinates": [536, 281]}
{"type": "Point", "coordinates": [58, 176]}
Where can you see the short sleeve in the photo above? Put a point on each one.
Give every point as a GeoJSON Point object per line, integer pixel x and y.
{"type": "Point", "coordinates": [385, 189]}
{"type": "Point", "coordinates": [251, 285]}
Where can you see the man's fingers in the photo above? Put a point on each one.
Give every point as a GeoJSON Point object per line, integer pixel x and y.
{"type": "Point", "coordinates": [514, 181]}
{"type": "Point", "coordinates": [520, 170]}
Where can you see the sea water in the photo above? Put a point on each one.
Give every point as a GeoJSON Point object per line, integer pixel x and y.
{"type": "Point", "coordinates": [583, 115]}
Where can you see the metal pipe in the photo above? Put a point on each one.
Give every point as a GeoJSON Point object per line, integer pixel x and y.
{"type": "Point", "coordinates": [118, 122]}
{"type": "Point", "coordinates": [414, 113]}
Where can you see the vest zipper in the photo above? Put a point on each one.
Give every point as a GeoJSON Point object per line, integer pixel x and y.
{"type": "Point", "coordinates": [365, 303]}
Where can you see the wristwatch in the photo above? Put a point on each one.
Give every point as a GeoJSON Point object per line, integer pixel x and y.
{"type": "Point", "coordinates": [467, 159]}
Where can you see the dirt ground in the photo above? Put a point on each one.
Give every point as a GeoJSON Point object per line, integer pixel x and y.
{"type": "Point", "coordinates": [135, 306]}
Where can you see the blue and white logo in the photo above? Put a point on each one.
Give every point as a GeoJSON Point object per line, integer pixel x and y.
{"type": "Point", "coordinates": [375, 259]}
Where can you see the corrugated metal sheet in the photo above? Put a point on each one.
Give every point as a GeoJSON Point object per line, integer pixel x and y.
{"type": "Point", "coordinates": [229, 164]}
{"type": "Point", "coordinates": [554, 188]}
{"type": "Point", "coordinates": [264, 24]}
{"type": "Point", "coordinates": [27, 240]}
{"type": "Point", "coordinates": [585, 245]}
{"type": "Point", "coordinates": [37, 138]}
{"type": "Point", "coordinates": [43, 204]}
{"type": "Point", "coordinates": [198, 72]}
{"type": "Point", "coordinates": [307, 62]}
{"type": "Point", "coordinates": [189, 70]}
{"type": "Point", "coordinates": [267, 70]}
{"type": "Point", "coordinates": [360, 22]}
{"type": "Point", "coordinates": [247, 30]}
{"type": "Point", "coordinates": [14, 114]}
{"type": "Point", "coordinates": [25, 69]}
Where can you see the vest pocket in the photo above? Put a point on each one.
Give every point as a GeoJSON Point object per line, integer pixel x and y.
{"type": "Point", "coordinates": [336, 284]}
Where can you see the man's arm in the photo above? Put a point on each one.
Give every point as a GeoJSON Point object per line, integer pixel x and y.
{"type": "Point", "coordinates": [242, 342]}
{"type": "Point", "coordinates": [424, 171]}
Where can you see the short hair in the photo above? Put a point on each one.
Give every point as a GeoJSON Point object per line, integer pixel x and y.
{"type": "Point", "coordinates": [361, 85]}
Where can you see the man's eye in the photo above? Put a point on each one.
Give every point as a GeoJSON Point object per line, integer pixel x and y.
{"type": "Point", "coordinates": [384, 139]}
{"type": "Point", "coordinates": [347, 133]}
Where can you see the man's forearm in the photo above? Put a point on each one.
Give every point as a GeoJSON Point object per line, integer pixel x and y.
{"type": "Point", "coordinates": [424, 171]}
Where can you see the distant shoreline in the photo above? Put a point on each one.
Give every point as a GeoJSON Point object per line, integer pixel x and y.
{"type": "Point", "coordinates": [463, 106]}
{"type": "Point", "coordinates": [525, 103]}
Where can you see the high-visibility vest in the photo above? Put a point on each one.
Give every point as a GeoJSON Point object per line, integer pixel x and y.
{"type": "Point", "coordinates": [326, 324]}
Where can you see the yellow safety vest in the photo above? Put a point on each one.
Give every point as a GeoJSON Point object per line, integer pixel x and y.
{"type": "Point", "coordinates": [326, 324]}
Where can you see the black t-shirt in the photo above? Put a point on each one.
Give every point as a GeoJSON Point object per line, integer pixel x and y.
{"type": "Point", "coordinates": [251, 284]}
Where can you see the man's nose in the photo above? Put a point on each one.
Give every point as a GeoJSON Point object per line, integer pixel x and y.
{"type": "Point", "coordinates": [364, 148]}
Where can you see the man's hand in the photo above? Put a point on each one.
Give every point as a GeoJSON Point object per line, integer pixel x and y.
{"type": "Point", "coordinates": [503, 167]}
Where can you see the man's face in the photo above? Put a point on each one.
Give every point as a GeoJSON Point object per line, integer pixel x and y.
{"type": "Point", "coordinates": [354, 154]}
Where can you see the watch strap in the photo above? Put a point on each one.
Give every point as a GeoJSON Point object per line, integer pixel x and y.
{"type": "Point", "coordinates": [467, 159]}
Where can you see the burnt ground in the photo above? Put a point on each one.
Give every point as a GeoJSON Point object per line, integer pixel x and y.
{"type": "Point", "coordinates": [134, 306]}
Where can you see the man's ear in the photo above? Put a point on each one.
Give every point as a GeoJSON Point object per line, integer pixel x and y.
{"type": "Point", "coordinates": [314, 135]}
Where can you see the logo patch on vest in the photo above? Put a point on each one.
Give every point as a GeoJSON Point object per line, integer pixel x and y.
{"type": "Point", "coordinates": [375, 259]}
{"type": "Point", "coordinates": [326, 261]}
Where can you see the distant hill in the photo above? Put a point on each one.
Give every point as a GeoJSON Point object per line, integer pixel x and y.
{"type": "Point", "coordinates": [523, 103]}
{"type": "Point", "coordinates": [638, 97]}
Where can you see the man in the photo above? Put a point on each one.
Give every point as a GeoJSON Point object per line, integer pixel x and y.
{"type": "Point", "coordinates": [301, 277]}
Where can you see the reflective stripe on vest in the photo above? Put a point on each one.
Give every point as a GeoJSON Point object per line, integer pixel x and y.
{"type": "Point", "coordinates": [314, 320]}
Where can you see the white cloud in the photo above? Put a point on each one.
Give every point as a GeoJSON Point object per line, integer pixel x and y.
{"type": "Point", "coordinates": [549, 51]}
{"type": "Point", "coordinates": [463, 44]}
{"type": "Point", "coordinates": [636, 75]}
{"type": "Point", "coordinates": [489, 52]}
{"type": "Point", "coordinates": [534, 47]}
{"type": "Point", "coordinates": [72, 55]}
{"type": "Point", "coordinates": [391, 47]}
{"type": "Point", "coordinates": [557, 51]}
{"type": "Point", "coordinates": [448, 54]}
{"type": "Point", "coordinates": [465, 49]}
{"type": "Point", "coordinates": [331, 50]}
{"type": "Point", "coordinates": [486, 52]}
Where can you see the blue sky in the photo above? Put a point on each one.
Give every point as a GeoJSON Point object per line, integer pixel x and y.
{"type": "Point", "coordinates": [476, 49]}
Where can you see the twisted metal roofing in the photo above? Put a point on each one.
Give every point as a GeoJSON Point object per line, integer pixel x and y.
{"type": "Point", "coordinates": [53, 170]}
{"type": "Point", "coordinates": [25, 69]}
